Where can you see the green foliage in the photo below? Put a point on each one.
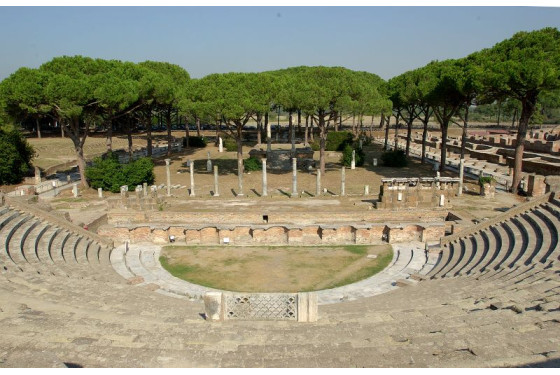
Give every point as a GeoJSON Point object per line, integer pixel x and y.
{"type": "Point", "coordinates": [346, 158]}
{"type": "Point", "coordinates": [107, 173]}
{"type": "Point", "coordinates": [252, 164]}
{"type": "Point", "coordinates": [230, 144]}
{"type": "Point", "coordinates": [336, 141]}
{"type": "Point", "coordinates": [196, 142]}
{"type": "Point", "coordinates": [16, 157]}
{"type": "Point", "coordinates": [394, 158]}
{"type": "Point", "coordinates": [485, 180]}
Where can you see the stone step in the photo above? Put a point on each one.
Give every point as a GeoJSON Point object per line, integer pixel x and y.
{"type": "Point", "coordinates": [553, 224]}
{"type": "Point", "coordinates": [488, 246]}
{"type": "Point", "coordinates": [448, 251]}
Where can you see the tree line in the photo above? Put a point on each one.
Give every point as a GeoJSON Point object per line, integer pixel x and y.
{"type": "Point", "coordinates": [80, 93]}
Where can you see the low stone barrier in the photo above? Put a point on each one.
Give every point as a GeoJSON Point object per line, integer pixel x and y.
{"type": "Point", "coordinates": [299, 307]}
{"type": "Point", "coordinates": [255, 235]}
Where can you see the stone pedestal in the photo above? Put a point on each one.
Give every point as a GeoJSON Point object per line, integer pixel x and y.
{"type": "Point", "coordinates": [213, 306]}
{"type": "Point", "coordinates": [75, 190]}
{"type": "Point", "coordinates": [488, 190]}
{"type": "Point", "coordinates": [294, 177]}
{"type": "Point", "coordinates": [167, 161]}
{"type": "Point", "coordinates": [191, 170]}
{"type": "Point", "coordinates": [353, 162]}
{"type": "Point", "coordinates": [318, 184]}
{"type": "Point", "coordinates": [216, 191]}
{"type": "Point", "coordinates": [264, 180]}
{"type": "Point", "coordinates": [220, 145]}
{"type": "Point", "coordinates": [536, 186]}
{"type": "Point", "coordinates": [375, 162]}
{"type": "Point", "coordinates": [100, 192]}
{"type": "Point", "coordinates": [343, 182]}
{"type": "Point", "coordinates": [366, 190]}
{"type": "Point", "coordinates": [461, 172]}
{"type": "Point", "coordinates": [145, 189]}
{"type": "Point", "coordinates": [37, 175]}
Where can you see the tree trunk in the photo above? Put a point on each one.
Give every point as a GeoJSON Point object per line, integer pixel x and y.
{"type": "Point", "coordinates": [290, 127]}
{"type": "Point", "coordinates": [149, 136]}
{"type": "Point", "coordinates": [299, 122]}
{"type": "Point", "coordinates": [387, 123]}
{"type": "Point", "coordinates": [408, 136]}
{"type": "Point", "coordinates": [268, 132]}
{"type": "Point", "coordinates": [109, 136]}
{"type": "Point", "coordinates": [499, 112]}
{"type": "Point", "coordinates": [259, 128]}
{"type": "Point", "coordinates": [74, 133]}
{"type": "Point", "coordinates": [306, 135]}
{"type": "Point", "coordinates": [322, 142]}
{"type": "Point", "coordinates": [396, 131]}
{"type": "Point", "coordinates": [311, 136]}
{"type": "Point", "coordinates": [354, 124]}
{"type": "Point", "coordinates": [240, 167]}
{"type": "Point", "coordinates": [197, 126]}
{"type": "Point", "coordinates": [187, 131]}
{"type": "Point", "coordinates": [38, 127]}
{"type": "Point", "coordinates": [528, 105]}
{"type": "Point", "coordinates": [443, 154]}
{"type": "Point", "coordinates": [424, 137]}
{"type": "Point", "coordinates": [464, 135]}
{"type": "Point", "coordinates": [169, 136]}
{"type": "Point", "coordinates": [335, 120]}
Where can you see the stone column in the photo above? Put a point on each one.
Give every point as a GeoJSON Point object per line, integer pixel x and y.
{"type": "Point", "coordinates": [343, 182]}
{"type": "Point", "coordinates": [216, 191]}
{"type": "Point", "coordinates": [318, 184]}
{"type": "Point", "coordinates": [268, 138]}
{"type": "Point", "coordinates": [167, 161]}
{"type": "Point", "coordinates": [353, 162]}
{"type": "Point", "coordinates": [240, 179]}
{"type": "Point", "coordinates": [100, 192]}
{"type": "Point", "coordinates": [37, 175]}
{"type": "Point", "coordinates": [461, 171]}
{"type": "Point", "coordinates": [191, 169]}
{"type": "Point", "coordinates": [437, 179]}
{"type": "Point", "coordinates": [124, 195]}
{"type": "Point", "coordinates": [293, 139]}
{"type": "Point", "coordinates": [375, 162]}
{"type": "Point", "coordinates": [220, 145]}
{"type": "Point", "coordinates": [366, 189]}
{"type": "Point", "coordinates": [145, 188]}
{"type": "Point", "coordinates": [75, 190]}
{"type": "Point", "coordinates": [294, 177]}
{"type": "Point", "coordinates": [264, 182]}
{"type": "Point", "coordinates": [209, 163]}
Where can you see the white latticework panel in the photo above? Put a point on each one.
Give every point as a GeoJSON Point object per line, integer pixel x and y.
{"type": "Point", "coordinates": [261, 306]}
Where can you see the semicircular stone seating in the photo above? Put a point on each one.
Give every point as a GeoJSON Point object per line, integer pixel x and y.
{"type": "Point", "coordinates": [507, 257]}
{"type": "Point", "coordinates": [489, 297]}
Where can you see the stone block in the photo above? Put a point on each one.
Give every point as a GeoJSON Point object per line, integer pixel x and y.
{"type": "Point", "coordinates": [192, 236]}
{"type": "Point", "coordinates": [209, 236]}
{"type": "Point", "coordinates": [213, 306]}
{"type": "Point", "coordinates": [140, 234]}
{"type": "Point", "coordinates": [160, 236]}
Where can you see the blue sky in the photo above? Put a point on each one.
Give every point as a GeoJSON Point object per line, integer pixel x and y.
{"type": "Point", "coordinates": [383, 40]}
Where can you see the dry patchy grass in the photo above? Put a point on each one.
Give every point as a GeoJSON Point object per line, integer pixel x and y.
{"type": "Point", "coordinates": [275, 268]}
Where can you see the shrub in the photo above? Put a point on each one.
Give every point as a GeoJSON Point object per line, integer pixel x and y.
{"type": "Point", "coordinates": [485, 180]}
{"type": "Point", "coordinates": [195, 141]}
{"type": "Point", "coordinates": [252, 164]}
{"type": "Point", "coordinates": [16, 156]}
{"type": "Point", "coordinates": [230, 144]}
{"type": "Point", "coordinates": [336, 141]}
{"type": "Point", "coordinates": [346, 158]}
{"type": "Point", "coordinates": [107, 173]}
{"type": "Point", "coordinates": [394, 158]}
